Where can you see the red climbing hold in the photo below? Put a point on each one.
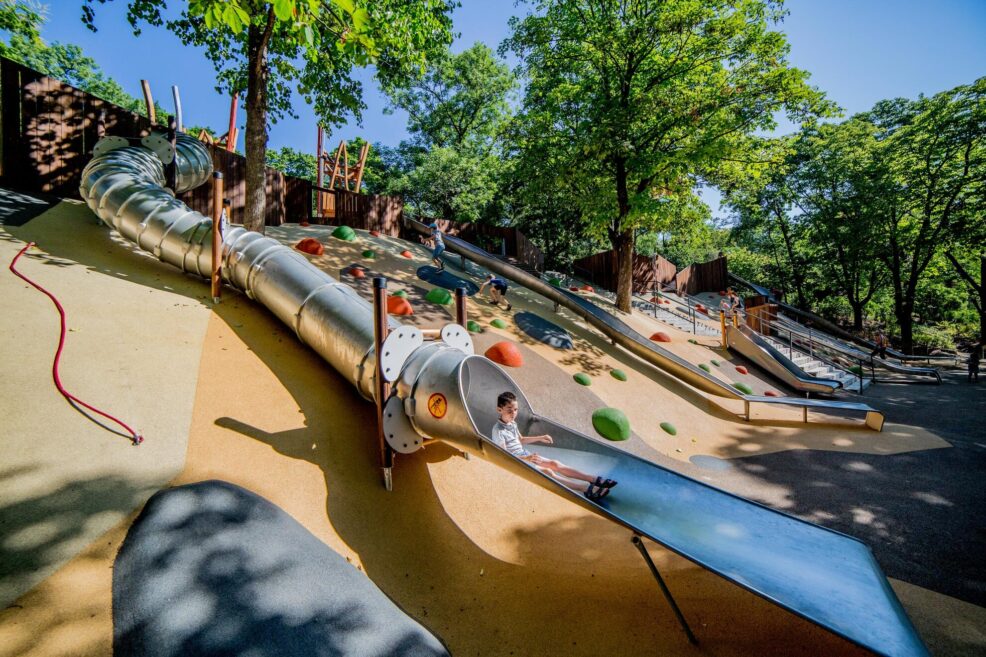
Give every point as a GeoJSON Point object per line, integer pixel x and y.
{"type": "Point", "coordinates": [573, 289]}
{"type": "Point", "coordinates": [722, 293]}
{"type": "Point", "coordinates": [587, 288]}
{"type": "Point", "coordinates": [505, 353]}
{"type": "Point", "coordinates": [661, 336]}
{"type": "Point", "coordinates": [375, 233]}
{"type": "Point", "coordinates": [399, 306]}
{"type": "Point", "coordinates": [310, 245]}
{"type": "Point", "coordinates": [406, 254]}
{"type": "Point", "coordinates": [700, 308]}
{"type": "Point", "coordinates": [770, 393]}
{"type": "Point", "coordinates": [742, 370]}
{"type": "Point", "coordinates": [356, 272]}
{"type": "Point", "coordinates": [305, 224]}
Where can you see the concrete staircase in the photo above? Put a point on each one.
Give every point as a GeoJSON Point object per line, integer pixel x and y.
{"type": "Point", "coordinates": [675, 319]}
{"type": "Point", "coordinates": [818, 368]}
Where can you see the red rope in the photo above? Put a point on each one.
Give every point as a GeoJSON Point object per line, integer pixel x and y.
{"type": "Point", "coordinates": [135, 437]}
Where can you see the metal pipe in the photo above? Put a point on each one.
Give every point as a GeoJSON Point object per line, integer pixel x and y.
{"type": "Point", "coordinates": [217, 213]}
{"type": "Point", "coordinates": [178, 115]}
{"type": "Point", "coordinates": [460, 306]}
{"type": "Point", "coordinates": [381, 387]}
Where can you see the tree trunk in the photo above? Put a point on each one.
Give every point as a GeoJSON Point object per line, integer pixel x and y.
{"type": "Point", "coordinates": [906, 324]}
{"type": "Point", "coordinates": [622, 239]}
{"type": "Point", "coordinates": [256, 126]}
{"type": "Point", "coordinates": [857, 315]}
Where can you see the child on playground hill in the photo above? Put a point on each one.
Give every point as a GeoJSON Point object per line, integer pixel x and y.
{"type": "Point", "coordinates": [439, 245]}
{"type": "Point", "coordinates": [498, 290]}
{"type": "Point", "coordinates": [506, 435]}
{"type": "Point", "coordinates": [881, 345]}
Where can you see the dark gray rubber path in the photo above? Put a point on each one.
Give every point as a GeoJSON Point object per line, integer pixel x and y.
{"type": "Point", "coordinates": [446, 279]}
{"type": "Point", "coordinates": [213, 569]}
{"type": "Point", "coordinates": [922, 513]}
{"type": "Point", "coordinates": [544, 331]}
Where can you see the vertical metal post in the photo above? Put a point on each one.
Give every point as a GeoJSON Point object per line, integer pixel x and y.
{"type": "Point", "coordinates": [664, 589]}
{"type": "Point", "coordinates": [217, 243]}
{"type": "Point", "coordinates": [145, 86]}
{"type": "Point", "coordinates": [381, 387]}
{"type": "Point", "coordinates": [171, 171]}
{"type": "Point", "coordinates": [178, 115]}
{"type": "Point", "coordinates": [722, 326]}
{"type": "Point", "coordinates": [460, 306]}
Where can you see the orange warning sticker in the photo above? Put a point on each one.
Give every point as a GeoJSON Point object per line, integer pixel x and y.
{"type": "Point", "coordinates": [437, 405]}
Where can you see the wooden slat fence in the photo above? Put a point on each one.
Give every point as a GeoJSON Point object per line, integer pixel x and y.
{"type": "Point", "coordinates": [505, 241]}
{"type": "Point", "coordinates": [711, 276]}
{"type": "Point", "coordinates": [364, 211]}
{"type": "Point", "coordinates": [600, 269]}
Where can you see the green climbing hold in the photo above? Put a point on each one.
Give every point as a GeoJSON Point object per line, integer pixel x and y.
{"type": "Point", "coordinates": [344, 233]}
{"type": "Point", "coordinates": [856, 369]}
{"type": "Point", "coordinates": [705, 367]}
{"type": "Point", "coordinates": [693, 340]}
{"type": "Point", "coordinates": [742, 387]}
{"type": "Point", "coordinates": [667, 426]}
{"type": "Point", "coordinates": [400, 293]}
{"type": "Point", "coordinates": [582, 379]}
{"type": "Point", "coordinates": [474, 327]}
{"type": "Point", "coordinates": [555, 281]}
{"type": "Point", "coordinates": [440, 296]}
{"type": "Point", "coordinates": [369, 254]}
{"type": "Point", "coordinates": [611, 424]}
{"type": "Point", "coordinates": [619, 375]}
{"type": "Point", "coordinates": [498, 323]}
{"type": "Point", "coordinates": [716, 363]}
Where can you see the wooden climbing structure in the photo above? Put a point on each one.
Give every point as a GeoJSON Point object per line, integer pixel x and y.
{"type": "Point", "coordinates": [340, 174]}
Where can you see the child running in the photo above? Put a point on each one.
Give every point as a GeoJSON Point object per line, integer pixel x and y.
{"type": "Point", "coordinates": [498, 290]}
{"type": "Point", "coordinates": [506, 435]}
{"type": "Point", "coordinates": [439, 245]}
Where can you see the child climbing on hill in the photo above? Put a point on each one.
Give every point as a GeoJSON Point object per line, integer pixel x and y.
{"type": "Point", "coordinates": [439, 245]}
{"type": "Point", "coordinates": [498, 290]}
{"type": "Point", "coordinates": [506, 435]}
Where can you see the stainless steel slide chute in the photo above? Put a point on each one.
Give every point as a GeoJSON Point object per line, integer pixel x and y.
{"type": "Point", "coordinates": [826, 577]}
{"type": "Point", "coordinates": [763, 354]}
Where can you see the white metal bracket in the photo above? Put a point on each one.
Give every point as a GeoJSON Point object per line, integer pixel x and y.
{"type": "Point", "coordinates": [397, 348]}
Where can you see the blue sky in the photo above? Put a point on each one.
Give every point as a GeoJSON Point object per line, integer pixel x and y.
{"type": "Point", "coordinates": [857, 51]}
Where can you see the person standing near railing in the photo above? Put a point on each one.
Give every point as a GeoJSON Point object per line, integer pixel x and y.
{"type": "Point", "coordinates": [882, 342]}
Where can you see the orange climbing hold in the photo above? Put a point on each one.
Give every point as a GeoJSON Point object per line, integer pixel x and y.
{"type": "Point", "coordinates": [661, 336]}
{"type": "Point", "coordinates": [742, 370]}
{"type": "Point", "coordinates": [770, 393]}
{"type": "Point", "coordinates": [587, 288]}
{"type": "Point", "coordinates": [406, 254]}
{"type": "Point", "coordinates": [311, 246]}
{"type": "Point", "coordinates": [399, 306]}
{"type": "Point", "coordinates": [375, 233]}
{"type": "Point", "coordinates": [305, 224]}
{"type": "Point", "coordinates": [700, 308]}
{"type": "Point", "coordinates": [505, 353]}
{"type": "Point", "coordinates": [356, 272]}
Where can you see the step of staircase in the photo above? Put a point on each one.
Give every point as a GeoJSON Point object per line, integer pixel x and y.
{"type": "Point", "coordinates": [818, 368]}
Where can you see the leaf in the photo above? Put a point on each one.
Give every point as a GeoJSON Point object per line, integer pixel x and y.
{"type": "Point", "coordinates": [347, 6]}
{"type": "Point", "coordinates": [283, 9]}
{"type": "Point", "coordinates": [232, 19]}
{"type": "Point", "coordinates": [360, 19]}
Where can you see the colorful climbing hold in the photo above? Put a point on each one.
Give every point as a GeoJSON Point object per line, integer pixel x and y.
{"type": "Point", "coordinates": [667, 426]}
{"type": "Point", "coordinates": [716, 363]}
{"type": "Point", "coordinates": [344, 233]}
{"type": "Point", "coordinates": [397, 305]}
{"type": "Point", "coordinates": [356, 272]}
{"type": "Point", "coordinates": [587, 288]}
{"type": "Point", "coordinates": [705, 367]}
{"type": "Point", "coordinates": [555, 281]}
{"type": "Point", "coordinates": [375, 233]}
{"type": "Point", "coordinates": [856, 369]}
{"type": "Point", "coordinates": [771, 393]}
{"type": "Point", "coordinates": [573, 289]}
{"type": "Point", "coordinates": [742, 387]}
{"type": "Point", "coordinates": [655, 300]}
{"type": "Point", "coordinates": [582, 379]}
{"type": "Point", "coordinates": [304, 224]}
{"type": "Point", "coordinates": [406, 254]}
{"type": "Point", "coordinates": [722, 293]}
{"type": "Point", "coordinates": [474, 327]}
{"type": "Point", "coordinates": [742, 370]}
{"type": "Point", "coordinates": [311, 246]}
{"type": "Point", "coordinates": [611, 424]}
{"type": "Point", "coordinates": [619, 375]}
{"type": "Point", "coordinates": [498, 323]}
{"type": "Point", "coordinates": [693, 340]}
{"type": "Point", "coordinates": [661, 336]}
{"type": "Point", "coordinates": [400, 293]}
{"type": "Point", "coordinates": [439, 295]}
{"type": "Point", "coordinates": [505, 353]}
{"type": "Point", "coordinates": [369, 254]}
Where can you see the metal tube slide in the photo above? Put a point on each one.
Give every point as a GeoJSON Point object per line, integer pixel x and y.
{"type": "Point", "coordinates": [754, 348]}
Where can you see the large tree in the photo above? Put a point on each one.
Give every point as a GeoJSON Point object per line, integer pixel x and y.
{"type": "Point", "coordinates": [935, 150]}
{"type": "Point", "coordinates": [266, 48]}
{"type": "Point", "coordinates": [649, 92]}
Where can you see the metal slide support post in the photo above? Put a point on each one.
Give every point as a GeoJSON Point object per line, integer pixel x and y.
{"type": "Point", "coordinates": [217, 241]}
{"type": "Point", "coordinates": [664, 588]}
{"type": "Point", "coordinates": [722, 325]}
{"type": "Point", "coordinates": [319, 175]}
{"type": "Point", "coordinates": [381, 387]}
{"type": "Point", "coordinates": [178, 115]}
{"type": "Point", "coordinates": [460, 306]}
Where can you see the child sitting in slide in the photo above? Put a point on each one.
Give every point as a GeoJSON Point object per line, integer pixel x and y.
{"type": "Point", "coordinates": [506, 435]}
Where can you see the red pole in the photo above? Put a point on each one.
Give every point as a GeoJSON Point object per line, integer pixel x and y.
{"type": "Point", "coordinates": [217, 244]}
{"type": "Point", "coordinates": [231, 133]}
{"type": "Point", "coordinates": [460, 306]}
{"type": "Point", "coordinates": [382, 388]}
